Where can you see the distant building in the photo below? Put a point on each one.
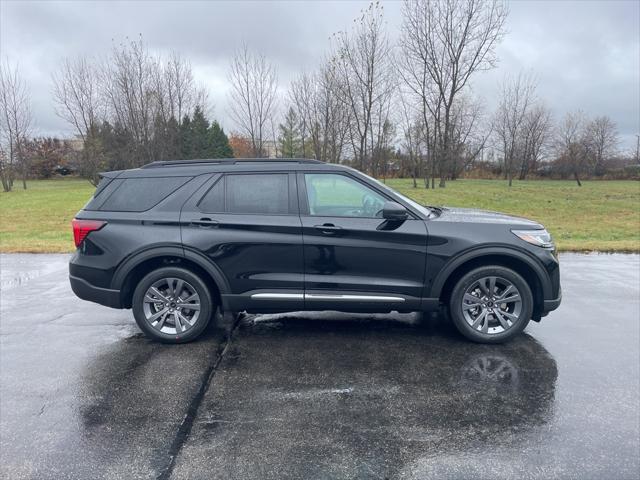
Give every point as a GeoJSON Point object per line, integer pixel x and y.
{"type": "Point", "coordinates": [76, 143]}
{"type": "Point", "coordinates": [270, 149]}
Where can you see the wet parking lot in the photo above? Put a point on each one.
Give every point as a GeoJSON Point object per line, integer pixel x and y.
{"type": "Point", "coordinates": [320, 395]}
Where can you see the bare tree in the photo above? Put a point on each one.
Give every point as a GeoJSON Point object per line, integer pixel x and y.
{"type": "Point", "coordinates": [363, 63]}
{"type": "Point", "coordinates": [445, 43]}
{"type": "Point", "coordinates": [176, 91]}
{"type": "Point", "coordinates": [571, 145]}
{"type": "Point", "coordinates": [602, 140]}
{"type": "Point", "coordinates": [75, 92]}
{"type": "Point", "coordinates": [15, 125]}
{"type": "Point", "coordinates": [254, 83]}
{"type": "Point", "coordinates": [535, 136]}
{"type": "Point", "coordinates": [517, 97]}
{"type": "Point", "coordinates": [324, 117]}
{"type": "Point", "coordinates": [414, 68]}
{"type": "Point", "coordinates": [412, 137]}
{"type": "Point", "coordinates": [300, 98]}
{"type": "Point", "coordinates": [129, 89]}
{"type": "Point", "coordinates": [468, 135]}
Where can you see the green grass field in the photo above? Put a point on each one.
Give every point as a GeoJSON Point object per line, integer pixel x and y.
{"type": "Point", "coordinates": [600, 215]}
{"type": "Point", "coordinates": [39, 219]}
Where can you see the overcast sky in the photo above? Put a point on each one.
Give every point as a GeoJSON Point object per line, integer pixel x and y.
{"type": "Point", "coordinates": [586, 54]}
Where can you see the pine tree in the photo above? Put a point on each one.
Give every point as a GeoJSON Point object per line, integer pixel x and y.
{"type": "Point", "coordinates": [172, 130]}
{"type": "Point", "coordinates": [186, 142]}
{"type": "Point", "coordinates": [199, 134]}
{"type": "Point", "coordinates": [289, 139]}
{"type": "Point", "coordinates": [218, 142]}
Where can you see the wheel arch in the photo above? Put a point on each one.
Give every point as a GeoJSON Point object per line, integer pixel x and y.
{"type": "Point", "coordinates": [526, 266]}
{"type": "Point", "coordinates": [133, 269]}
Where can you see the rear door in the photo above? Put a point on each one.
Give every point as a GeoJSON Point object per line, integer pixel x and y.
{"type": "Point", "coordinates": [248, 225]}
{"type": "Point", "coordinates": [354, 260]}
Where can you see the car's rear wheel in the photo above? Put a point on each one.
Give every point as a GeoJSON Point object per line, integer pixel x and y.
{"type": "Point", "coordinates": [491, 304]}
{"type": "Point", "coordinates": [172, 305]}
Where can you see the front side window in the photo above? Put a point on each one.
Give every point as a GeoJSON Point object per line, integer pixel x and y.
{"type": "Point", "coordinates": [266, 193]}
{"type": "Point", "coordinates": [333, 195]}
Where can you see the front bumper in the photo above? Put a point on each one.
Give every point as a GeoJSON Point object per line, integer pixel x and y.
{"type": "Point", "coordinates": [550, 305]}
{"type": "Point", "coordinates": [103, 296]}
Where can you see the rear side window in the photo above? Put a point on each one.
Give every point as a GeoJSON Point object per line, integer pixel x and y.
{"type": "Point", "coordinates": [103, 190]}
{"type": "Point", "coordinates": [261, 193]}
{"type": "Point", "coordinates": [140, 194]}
{"type": "Point", "coordinates": [266, 193]}
{"type": "Point", "coordinates": [104, 182]}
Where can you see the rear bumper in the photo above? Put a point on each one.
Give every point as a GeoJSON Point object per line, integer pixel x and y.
{"type": "Point", "coordinates": [86, 291]}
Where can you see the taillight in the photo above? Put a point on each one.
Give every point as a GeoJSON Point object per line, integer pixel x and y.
{"type": "Point", "coordinates": [82, 228]}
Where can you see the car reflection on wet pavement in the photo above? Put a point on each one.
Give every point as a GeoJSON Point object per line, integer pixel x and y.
{"type": "Point", "coordinates": [392, 393]}
{"type": "Point", "coordinates": [319, 395]}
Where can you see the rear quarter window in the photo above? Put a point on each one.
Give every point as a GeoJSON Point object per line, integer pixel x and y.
{"type": "Point", "coordinates": [140, 194]}
{"type": "Point", "coordinates": [105, 188]}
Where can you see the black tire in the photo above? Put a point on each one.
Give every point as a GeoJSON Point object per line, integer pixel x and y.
{"type": "Point", "coordinates": [467, 281]}
{"type": "Point", "coordinates": [207, 305]}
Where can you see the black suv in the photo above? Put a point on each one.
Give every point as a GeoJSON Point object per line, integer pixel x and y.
{"type": "Point", "coordinates": [175, 240]}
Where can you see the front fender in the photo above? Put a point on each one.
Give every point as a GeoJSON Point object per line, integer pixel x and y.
{"type": "Point", "coordinates": [482, 251]}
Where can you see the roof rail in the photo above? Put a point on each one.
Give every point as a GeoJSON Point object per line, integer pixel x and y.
{"type": "Point", "coordinates": [226, 161]}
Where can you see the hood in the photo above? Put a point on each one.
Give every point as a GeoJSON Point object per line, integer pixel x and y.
{"type": "Point", "coordinates": [471, 215]}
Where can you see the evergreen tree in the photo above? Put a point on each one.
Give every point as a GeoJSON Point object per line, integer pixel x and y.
{"type": "Point", "coordinates": [186, 143]}
{"type": "Point", "coordinates": [197, 138]}
{"type": "Point", "coordinates": [173, 143]}
{"type": "Point", "coordinates": [115, 146]}
{"type": "Point", "coordinates": [218, 142]}
{"type": "Point", "coordinates": [290, 139]}
{"type": "Point", "coordinates": [199, 134]}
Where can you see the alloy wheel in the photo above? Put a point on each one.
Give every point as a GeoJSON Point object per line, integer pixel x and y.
{"type": "Point", "coordinates": [491, 305]}
{"type": "Point", "coordinates": [171, 305]}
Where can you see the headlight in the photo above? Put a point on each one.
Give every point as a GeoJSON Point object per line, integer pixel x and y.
{"type": "Point", "coordinates": [539, 238]}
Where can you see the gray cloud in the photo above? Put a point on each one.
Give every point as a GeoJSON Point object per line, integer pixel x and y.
{"type": "Point", "coordinates": [585, 55]}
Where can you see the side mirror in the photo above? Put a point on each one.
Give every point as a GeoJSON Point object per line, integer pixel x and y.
{"type": "Point", "coordinates": [394, 212]}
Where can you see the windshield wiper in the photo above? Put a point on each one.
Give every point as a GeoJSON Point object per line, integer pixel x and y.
{"type": "Point", "coordinates": [436, 211]}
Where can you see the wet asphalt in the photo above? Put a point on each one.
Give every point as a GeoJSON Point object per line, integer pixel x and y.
{"type": "Point", "coordinates": [319, 395]}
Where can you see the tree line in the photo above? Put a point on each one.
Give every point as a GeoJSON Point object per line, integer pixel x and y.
{"type": "Point", "coordinates": [130, 109]}
{"type": "Point", "coordinates": [387, 108]}
{"type": "Point", "coordinates": [409, 107]}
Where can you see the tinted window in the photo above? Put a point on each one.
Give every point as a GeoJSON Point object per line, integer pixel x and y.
{"type": "Point", "coordinates": [213, 201]}
{"type": "Point", "coordinates": [139, 194]}
{"type": "Point", "coordinates": [105, 188]}
{"type": "Point", "coordinates": [104, 181]}
{"type": "Point", "coordinates": [332, 195]}
{"type": "Point", "coordinates": [257, 193]}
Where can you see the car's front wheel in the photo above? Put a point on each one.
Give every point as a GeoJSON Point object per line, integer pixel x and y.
{"type": "Point", "coordinates": [491, 304]}
{"type": "Point", "coordinates": [172, 305]}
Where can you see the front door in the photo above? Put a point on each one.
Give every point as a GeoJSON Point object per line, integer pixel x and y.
{"type": "Point", "coordinates": [353, 260]}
